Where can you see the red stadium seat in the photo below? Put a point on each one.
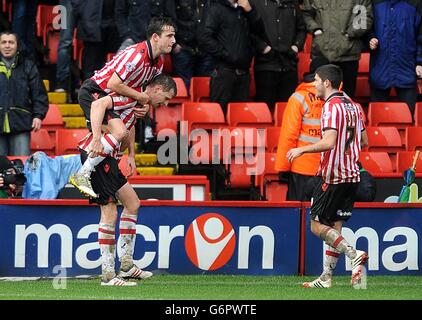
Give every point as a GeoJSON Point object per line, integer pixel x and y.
{"type": "Point", "coordinates": [278, 113]}
{"type": "Point", "coordinates": [364, 63]}
{"type": "Point", "coordinates": [386, 139]}
{"type": "Point", "coordinates": [418, 114]}
{"type": "Point", "coordinates": [167, 118]}
{"type": "Point", "coordinates": [389, 114]}
{"type": "Point", "coordinates": [199, 89]}
{"type": "Point", "coordinates": [303, 64]}
{"type": "Point", "coordinates": [376, 162]}
{"type": "Point", "coordinates": [414, 138]}
{"type": "Point", "coordinates": [44, 19]}
{"type": "Point", "coordinates": [255, 114]}
{"type": "Point", "coordinates": [67, 140]}
{"type": "Point", "coordinates": [308, 43]}
{"type": "Point", "coordinates": [405, 160]}
{"type": "Point", "coordinates": [52, 43]}
{"type": "Point", "coordinates": [270, 187]}
{"type": "Point", "coordinates": [206, 115]}
{"type": "Point", "coordinates": [273, 135]}
{"type": "Point", "coordinates": [53, 120]}
{"type": "Point", "coordinates": [362, 92]}
{"type": "Point", "coordinates": [182, 92]}
{"type": "Point", "coordinates": [41, 141]}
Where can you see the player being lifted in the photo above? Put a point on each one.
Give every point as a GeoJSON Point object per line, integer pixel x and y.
{"type": "Point", "coordinates": [132, 68]}
{"type": "Point", "coordinates": [343, 135]}
{"type": "Point", "coordinates": [109, 182]}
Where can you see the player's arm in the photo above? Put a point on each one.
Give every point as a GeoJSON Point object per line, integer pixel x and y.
{"type": "Point", "coordinates": [98, 109]}
{"type": "Point", "coordinates": [327, 142]}
{"type": "Point", "coordinates": [131, 151]}
{"type": "Point", "coordinates": [116, 84]}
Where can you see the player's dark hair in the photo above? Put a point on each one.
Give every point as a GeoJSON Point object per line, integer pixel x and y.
{"type": "Point", "coordinates": [166, 82]}
{"type": "Point", "coordinates": [332, 73]}
{"type": "Point", "coordinates": [158, 24]}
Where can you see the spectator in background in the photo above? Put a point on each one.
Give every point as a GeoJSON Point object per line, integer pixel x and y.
{"type": "Point", "coordinates": [187, 59]}
{"type": "Point", "coordinates": [96, 27]}
{"type": "Point", "coordinates": [396, 50]}
{"type": "Point", "coordinates": [23, 24]}
{"type": "Point", "coordinates": [23, 98]}
{"type": "Point", "coordinates": [157, 7]}
{"type": "Point", "coordinates": [64, 51]}
{"type": "Point", "coordinates": [337, 30]}
{"type": "Point", "coordinates": [226, 36]}
{"type": "Point", "coordinates": [300, 127]}
{"type": "Point", "coordinates": [132, 18]}
{"type": "Point", "coordinates": [276, 61]}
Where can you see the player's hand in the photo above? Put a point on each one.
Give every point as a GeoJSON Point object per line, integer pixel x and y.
{"type": "Point", "coordinates": [131, 165]}
{"type": "Point", "coordinates": [293, 154]}
{"type": "Point", "coordinates": [373, 43]}
{"type": "Point", "coordinates": [95, 148]}
{"type": "Point", "coordinates": [142, 98]}
{"type": "Point", "coordinates": [141, 111]}
{"type": "Point", "coordinates": [36, 124]}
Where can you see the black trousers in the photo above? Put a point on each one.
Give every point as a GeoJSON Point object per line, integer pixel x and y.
{"type": "Point", "coordinates": [408, 95]}
{"type": "Point", "coordinates": [94, 54]}
{"type": "Point", "coordinates": [227, 85]}
{"type": "Point", "coordinates": [272, 86]}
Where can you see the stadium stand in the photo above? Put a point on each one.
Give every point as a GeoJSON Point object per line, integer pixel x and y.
{"type": "Point", "coordinates": [376, 162]}
{"type": "Point", "coordinates": [385, 139]}
{"type": "Point", "coordinates": [405, 159]}
{"type": "Point", "coordinates": [418, 114]}
{"type": "Point", "coordinates": [273, 135]}
{"type": "Point", "coordinates": [414, 138]}
{"type": "Point", "coordinates": [255, 114]}
{"type": "Point", "coordinates": [269, 185]}
{"type": "Point", "coordinates": [67, 140]}
{"type": "Point", "coordinates": [41, 141]}
{"type": "Point", "coordinates": [199, 89]}
{"type": "Point", "coordinates": [278, 113]}
{"type": "Point", "coordinates": [389, 114]}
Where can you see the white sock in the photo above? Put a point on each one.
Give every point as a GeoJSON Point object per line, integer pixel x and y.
{"type": "Point", "coordinates": [127, 230]}
{"type": "Point", "coordinates": [107, 242]}
{"type": "Point", "coordinates": [110, 144]}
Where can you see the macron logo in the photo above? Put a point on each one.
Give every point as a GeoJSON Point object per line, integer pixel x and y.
{"type": "Point", "coordinates": [210, 241]}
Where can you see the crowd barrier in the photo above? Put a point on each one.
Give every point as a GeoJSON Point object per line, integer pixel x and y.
{"type": "Point", "coordinates": [45, 237]}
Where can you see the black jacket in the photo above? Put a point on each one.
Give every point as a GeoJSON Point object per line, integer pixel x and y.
{"type": "Point", "coordinates": [188, 15]}
{"type": "Point", "coordinates": [226, 34]}
{"type": "Point", "coordinates": [132, 17]}
{"type": "Point", "coordinates": [284, 27]}
{"type": "Point", "coordinates": [88, 16]}
{"type": "Point", "coordinates": [22, 96]}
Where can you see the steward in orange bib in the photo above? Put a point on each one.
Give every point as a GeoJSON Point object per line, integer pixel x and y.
{"type": "Point", "coordinates": [300, 126]}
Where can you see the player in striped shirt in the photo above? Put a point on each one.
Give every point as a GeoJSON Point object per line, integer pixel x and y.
{"type": "Point", "coordinates": [117, 113]}
{"type": "Point", "coordinates": [343, 135]}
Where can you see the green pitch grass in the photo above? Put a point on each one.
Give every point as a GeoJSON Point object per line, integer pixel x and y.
{"type": "Point", "coordinates": [213, 287]}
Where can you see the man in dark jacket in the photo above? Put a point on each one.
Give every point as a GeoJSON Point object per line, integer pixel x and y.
{"type": "Point", "coordinates": [187, 59]}
{"type": "Point", "coordinates": [226, 35]}
{"type": "Point", "coordinates": [276, 60]}
{"type": "Point", "coordinates": [132, 18]}
{"type": "Point", "coordinates": [96, 27]}
{"type": "Point", "coordinates": [396, 45]}
{"type": "Point", "coordinates": [23, 99]}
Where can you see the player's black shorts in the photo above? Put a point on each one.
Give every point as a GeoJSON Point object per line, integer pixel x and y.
{"type": "Point", "coordinates": [332, 202]}
{"type": "Point", "coordinates": [106, 180]}
{"type": "Point", "coordinates": [89, 92]}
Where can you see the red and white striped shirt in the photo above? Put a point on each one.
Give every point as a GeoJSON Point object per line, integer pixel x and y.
{"type": "Point", "coordinates": [134, 66]}
{"type": "Point", "coordinates": [340, 165]}
{"type": "Point", "coordinates": [122, 106]}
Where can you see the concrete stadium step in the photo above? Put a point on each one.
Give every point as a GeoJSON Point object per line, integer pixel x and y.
{"type": "Point", "coordinates": [57, 97]}
{"type": "Point", "coordinates": [155, 171]}
{"type": "Point", "coordinates": [71, 110]}
{"type": "Point", "coordinates": [74, 122]}
{"type": "Point", "coordinates": [47, 85]}
{"type": "Point", "coordinates": [145, 159]}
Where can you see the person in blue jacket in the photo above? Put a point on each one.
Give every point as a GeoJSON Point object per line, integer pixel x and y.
{"type": "Point", "coordinates": [396, 50]}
